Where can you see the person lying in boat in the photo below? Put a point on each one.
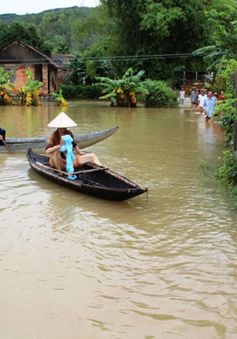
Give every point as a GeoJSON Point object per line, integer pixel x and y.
{"type": "Point", "coordinates": [57, 158]}
{"type": "Point", "coordinates": [2, 135]}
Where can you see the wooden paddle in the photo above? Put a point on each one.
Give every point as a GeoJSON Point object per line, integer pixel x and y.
{"type": "Point", "coordinates": [7, 146]}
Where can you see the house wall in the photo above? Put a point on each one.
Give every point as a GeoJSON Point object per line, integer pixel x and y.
{"type": "Point", "coordinates": [49, 77]}
{"type": "Point", "coordinates": [19, 57]}
{"type": "Point", "coordinates": [20, 75]}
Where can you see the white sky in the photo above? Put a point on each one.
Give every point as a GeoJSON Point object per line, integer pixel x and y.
{"type": "Point", "coordinates": [37, 6]}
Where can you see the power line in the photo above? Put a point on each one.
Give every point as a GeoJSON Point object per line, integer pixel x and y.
{"type": "Point", "coordinates": [143, 57]}
{"type": "Point", "coordinates": [108, 58]}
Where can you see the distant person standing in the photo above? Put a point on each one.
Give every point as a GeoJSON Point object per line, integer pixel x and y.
{"type": "Point", "coordinates": [222, 96]}
{"type": "Point", "coordinates": [209, 104]}
{"type": "Point", "coordinates": [194, 98]}
{"type": "Point", "coordinates": [201, 98]}
{"type": "Point", "coordinates": [182, 95]}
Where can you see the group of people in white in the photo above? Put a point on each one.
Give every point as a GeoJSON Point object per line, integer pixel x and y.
{"type": "Point", "coordinates": [202, 100]}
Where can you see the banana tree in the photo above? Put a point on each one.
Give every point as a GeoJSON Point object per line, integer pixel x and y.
{"type": "Point", "coordinates": [123, 92]}
{"type": "Point", "coordinates": [59, 98]}
{"type": "Point", "coordinates": [29, 94]}
{"type": "Point", "coordinates": [5, 86]}
{"type": "Point", "coordinates": [214, 56]}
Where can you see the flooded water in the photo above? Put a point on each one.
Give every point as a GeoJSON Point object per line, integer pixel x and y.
{"type": "Point", "coordinates": [161, 265]}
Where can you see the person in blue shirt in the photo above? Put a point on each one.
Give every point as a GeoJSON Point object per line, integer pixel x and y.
{"type": "Point", "coordinates": [209, 104]}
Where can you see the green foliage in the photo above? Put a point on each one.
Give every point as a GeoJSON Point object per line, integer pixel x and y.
{"type": "Point", "coordinates": [5, 78]}
{"type": "Point", "coordinates": [90, 30]}
{"type": "Point", "coordinates": [158, 15]}
{"type": "Point", "coordinates": [133, 28]}
{"type": "Point", "coordinates": [29, 94]}
{"type": "Point", "coordinates": [123, 92]}
{"type": "Point", "coordinates": [61, 23]}
{"type": "Point", "coordinates": [77, 71]}
{"type": "Point", "coordinates": [5, 86]}
{"type": "Point", "coordinates": [60, 45]}
{"type": "Point", "coordinates": [159, 94]}
{"type": "Point", "coordinates": [225, 78]}
{"type": "Point", "coordinates": [70, 91]}
{"type": "Point", "coordinates": [160, 27]}
{"type": "Point", "coordinates": [22, 32]}
{"type": "Point", "coordinates": [214, 57]}
{"type": "Point", "coordinates": [221, 17]}
{"type": "Point", "coordinates": [227, 173]}
{"type": "Point", "coordinates": [226, 116]}
{"type": "Point", "coordinates": [54, 28]}
{"type": "Point", "coordinates": [59, 98]}
{"type": "Point", "coordinates": [82, 71]}
{"type": "Point", "coordinates": [31, 85]}
{"type": "Point", "coordinates": [225, 113]}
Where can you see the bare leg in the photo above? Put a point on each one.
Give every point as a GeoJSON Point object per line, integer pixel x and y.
{"type": "Point", "coordinates": [55, 160]}
{"type": "Point", "coordinates": [83, 159]}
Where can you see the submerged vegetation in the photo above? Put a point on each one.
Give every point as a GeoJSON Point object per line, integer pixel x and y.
{"type": "Point", "coordinates": [123, 92]}
{"type": "Point", "coordinates": [29, 94]}
{"type": "Point", "coordinates": [26, 95]}
{"type": "Point", "coordinates": [5, 86]}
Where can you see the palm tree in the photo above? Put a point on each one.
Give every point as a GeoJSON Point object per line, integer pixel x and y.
{"type": "Point", "coordinates": [214, 56]}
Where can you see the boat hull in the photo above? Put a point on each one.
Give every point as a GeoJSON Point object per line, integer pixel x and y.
{"type": "Point", "coordinates": [91, 179]}
{"type": "Point", "coordinates": [83, 141]}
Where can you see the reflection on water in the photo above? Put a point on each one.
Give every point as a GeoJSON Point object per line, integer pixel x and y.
{"type": "Point", "coordinates": [161, 265]}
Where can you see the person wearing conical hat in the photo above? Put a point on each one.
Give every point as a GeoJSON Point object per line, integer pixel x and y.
{"type": "Point", "coordinates": [58, 159]}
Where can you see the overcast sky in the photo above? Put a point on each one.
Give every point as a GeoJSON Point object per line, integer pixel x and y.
{"type": "Point", "coordinates": [36, 6]}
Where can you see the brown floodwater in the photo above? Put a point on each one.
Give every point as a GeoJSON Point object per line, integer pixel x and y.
{"type": "Point", "coordinates": [161, 265]}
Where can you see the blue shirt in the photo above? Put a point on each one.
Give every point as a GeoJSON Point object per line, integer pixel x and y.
{"type": "Point", "coordinates": [209, 105]}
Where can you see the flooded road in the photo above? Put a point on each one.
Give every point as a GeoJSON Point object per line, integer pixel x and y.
{"type": "Point", "coordinates": [162, 265]}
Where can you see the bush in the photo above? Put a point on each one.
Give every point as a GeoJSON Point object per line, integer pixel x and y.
{"type": "Point", "coordinates": [160, 94]}
{"type": "Point", "coordinates": [225, 115]}
{"type": "Point", "coordinates": [80, 91]}
{"type": "Point", "coordinates": [227, 173]}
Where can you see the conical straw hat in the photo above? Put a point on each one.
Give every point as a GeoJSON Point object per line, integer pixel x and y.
{"type": "Point", "coordinates": [62, 121]}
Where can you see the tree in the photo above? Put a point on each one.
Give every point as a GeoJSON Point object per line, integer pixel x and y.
{"type": "Point", "coordinates": [222, 19]}
{"type": "Point", "coordinates": [77, 71]}
{"type": "Point", "coordinates": [124, 91]}
{"type": "Point", "coordinates": [22, 32]}
{"type": "Point", "coordinates": [83, 70]}
{"type": "Point", "coordinates": [164, 27]}
{"type": "Point", "coordinates": [29, 94]}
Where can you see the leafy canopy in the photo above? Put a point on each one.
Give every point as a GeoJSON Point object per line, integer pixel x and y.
{"type": "Point", "coordinates": [22, 32]}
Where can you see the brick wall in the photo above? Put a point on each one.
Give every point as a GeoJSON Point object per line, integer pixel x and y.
{"type": "Point", "coordinates": [21, 77]}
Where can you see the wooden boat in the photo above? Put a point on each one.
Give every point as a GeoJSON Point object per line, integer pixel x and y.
{"type": "Point", "coordinates": [83, 140]}
{"type": "Point", "coordinates": [90, 179]}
